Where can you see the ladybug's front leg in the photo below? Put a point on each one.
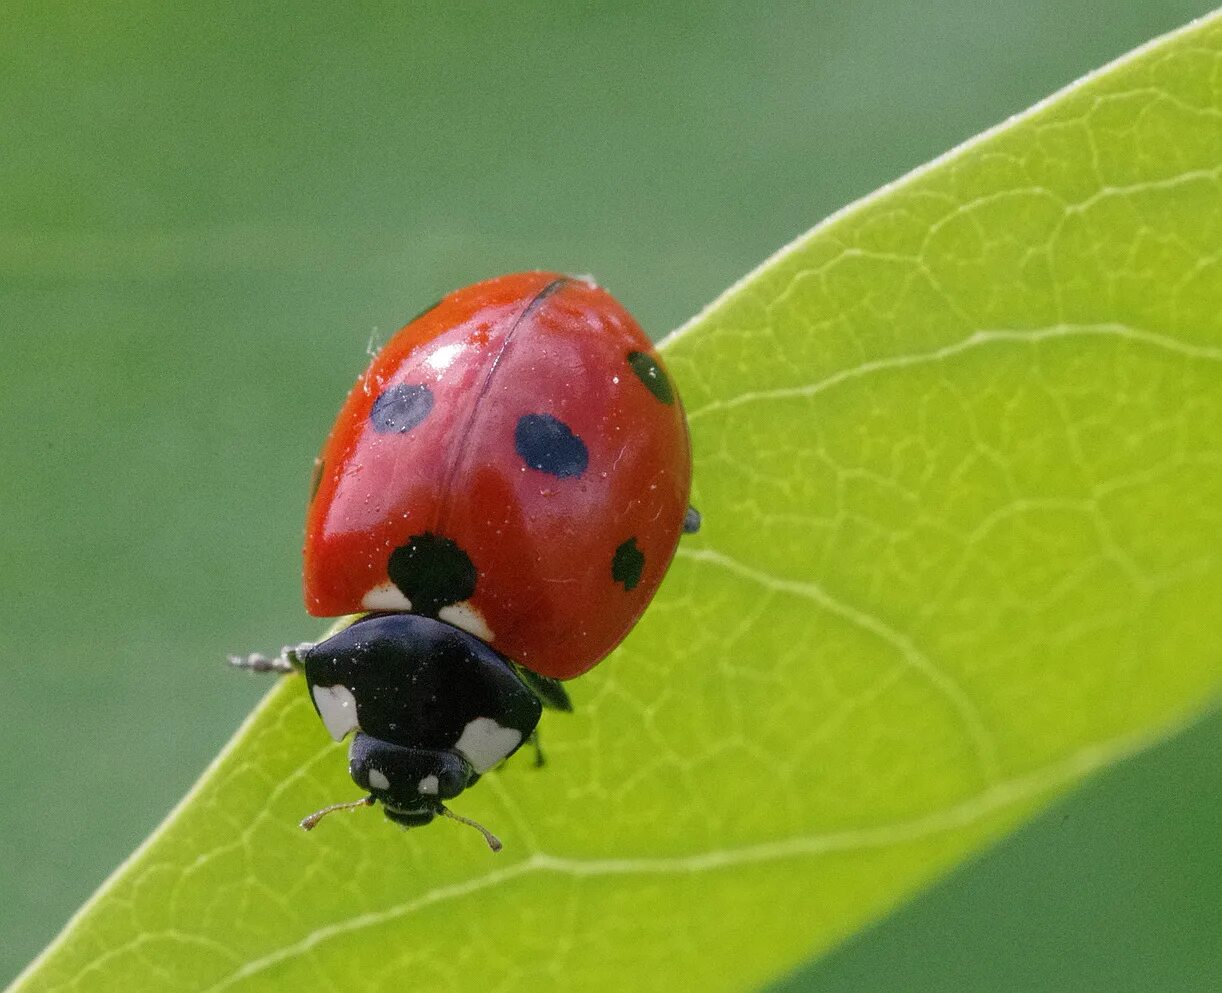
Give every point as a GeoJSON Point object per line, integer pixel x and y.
{"type": "Point", "coordinates": [551, 692]}
{"type": "Point", "coordinates": [533, 741]}
{"type": "Point", "coordinates": [552, 695]}
{"type": "Point", "coordinates": [289, 660]}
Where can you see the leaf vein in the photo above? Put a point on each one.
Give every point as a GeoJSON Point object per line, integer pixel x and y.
{"type": "Point", "coordinates": [905, 648]}
{"type": "Point", "coordinates": [978, 339]}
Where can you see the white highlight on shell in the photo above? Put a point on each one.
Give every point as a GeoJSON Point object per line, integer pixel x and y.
{"type": "Point", "coordinates": [463, 615]}
{"type": "Point", "coordinates": [484, 743]}
{"type": "Point", "coordinates": [337, 708]}
{"type": "Point", "coordinates": [377, 781]}
{"type": "Point", "coordinates": [428, 786]}
{"type": "Point", "coordinates": [441, 358]}
{"type": "Point", "coordinates": [386, 597]}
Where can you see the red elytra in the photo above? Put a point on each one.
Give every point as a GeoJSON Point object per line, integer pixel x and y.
{"type": "Point", "coordinates": [566, 555]}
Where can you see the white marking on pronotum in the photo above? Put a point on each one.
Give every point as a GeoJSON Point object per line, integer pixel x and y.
{"type": "Point", "coordinates": [484, 743]}
{"type": "Point", "coordinates": [386, 597]}
{"type": "Point", "coordinates": [429, 786]}
{"type": "Point", "coordinates": [463, 615]}
{"type": "Point", "coordinates": [377, 781]}
{"type": "Point", "coordinates": [337, 708]}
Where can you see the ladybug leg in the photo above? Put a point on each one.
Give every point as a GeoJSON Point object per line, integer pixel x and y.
{"type": "Point", "coordinates": [533, 741]}
{"type": "Point", "coordinates": [289, 660]}
{"type": "Point", "coordinates": [551, 692]}
{"type": "Point", "coordinates": [691, 521]}
{"type": "Point", "coordinates": [552, 695]}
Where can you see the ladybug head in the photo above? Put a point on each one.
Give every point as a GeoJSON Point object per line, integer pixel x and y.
{"type": "Point", "coordinates": [410, 783]}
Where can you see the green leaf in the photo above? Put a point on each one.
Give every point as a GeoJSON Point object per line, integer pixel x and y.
{"type": "Point", "coordinates": [959, 459]}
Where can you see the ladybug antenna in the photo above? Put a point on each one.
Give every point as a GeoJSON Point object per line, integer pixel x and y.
{"type": "Point", "coordinates": [308, 823]}
{"type": "Point", "coordinates": [493, 841]}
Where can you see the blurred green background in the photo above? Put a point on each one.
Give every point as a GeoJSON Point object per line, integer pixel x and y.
{"type": "Point", "coordinates": [208, 214]}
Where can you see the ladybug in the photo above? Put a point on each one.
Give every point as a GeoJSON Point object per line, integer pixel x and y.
{"type": "Point", "coordinates": [497, 502]}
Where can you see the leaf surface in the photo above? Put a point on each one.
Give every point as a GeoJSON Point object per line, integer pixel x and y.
{"type": "Point", "coordinates": [959, 460]}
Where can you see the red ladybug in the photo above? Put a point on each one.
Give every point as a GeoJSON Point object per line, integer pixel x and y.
{"type": "Point", "coordinates": [501, 495]}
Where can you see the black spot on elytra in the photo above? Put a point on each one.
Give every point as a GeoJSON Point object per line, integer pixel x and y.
{"type": "Point", "coordinates": [401, 408]}
{"type": "Point", "coordinates": [627, 564]}
{"type": "Point", "coordinates": [432, 572]}
{"type": "Point", "coordinates": [650, 373]}
{"type": "Point", "coordinates": [546, 444]}
{"type": "Point", "coordinates": [691, 521]}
